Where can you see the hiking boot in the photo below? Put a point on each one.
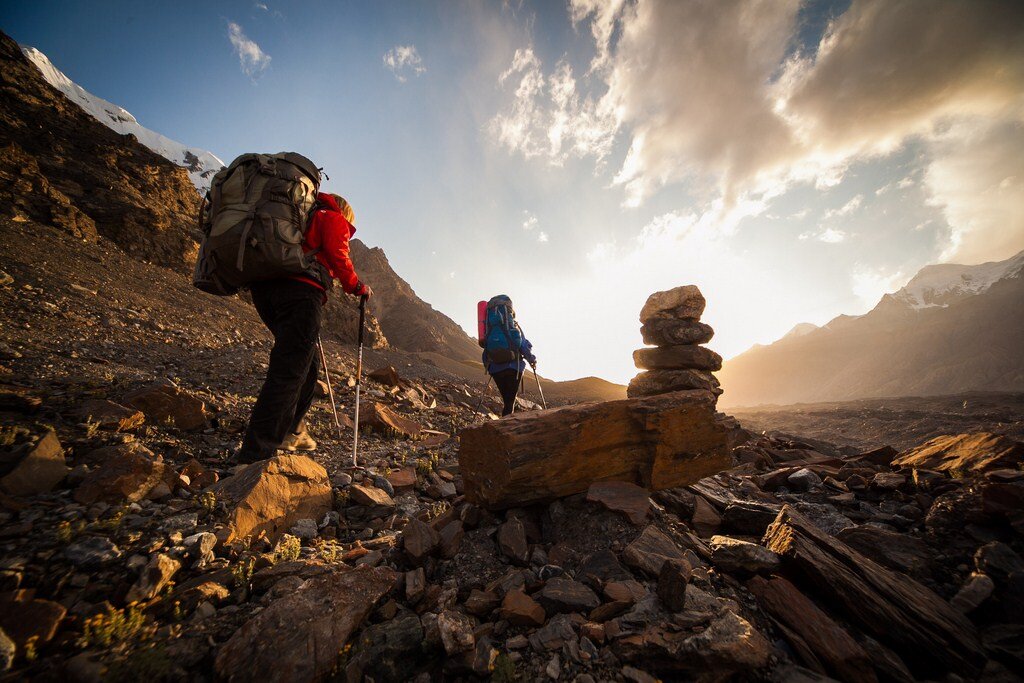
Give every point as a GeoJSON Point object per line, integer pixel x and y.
{"type": "Point", "coordinates": [298, 441]}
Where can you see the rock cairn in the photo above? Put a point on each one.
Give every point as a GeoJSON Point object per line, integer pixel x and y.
{"type": "Point", "coordinates": [671, 323]}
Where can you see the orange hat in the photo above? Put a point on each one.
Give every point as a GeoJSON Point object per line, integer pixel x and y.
{"type": "Point", "coordinates": [346, 208]}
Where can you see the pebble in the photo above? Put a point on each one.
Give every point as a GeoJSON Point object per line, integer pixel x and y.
{"type": "Point", "coordinates": [91, 552]}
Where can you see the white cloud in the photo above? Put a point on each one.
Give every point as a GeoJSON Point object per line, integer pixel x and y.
{"type": "Point", "coordinates": [977, 180]}
{"type": "Point", "coordinates": [547, 116]}
{"type": "Point", "coordinates": [846, 209]}
{"type": "Point", "coordinates": [707, 93]}
{"type": "Point", "coordinates": [530, 222]}
{"type": "Point", "coordinates": [403, 60]}
{"type": "Point", "coordinates": [253, 60]}
{"type": "Point", "coordinates": [828, 235]}
{"type": "Point", "coordinates": [542, 237]}
{"type": "Point", "coordinates": [832, 236]}
{"type": "Point", "coordinates": [869, 284]}
{"type": "Point", "coordinates": [262, 6]}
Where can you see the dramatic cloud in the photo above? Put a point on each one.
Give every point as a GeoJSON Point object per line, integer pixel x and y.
{"type": "Point", "coordinates": [977, 179]}
{"type": "Point", "coordinates": [712, 93]}
{"type": "Point", "coordinates": [547, 115]}
{"type": "Point", "coordinates": [886, 70]}
{"type": "Point", "coordinates": [404, 60]}
{"type": "Point", "coordinates": [253, 60]}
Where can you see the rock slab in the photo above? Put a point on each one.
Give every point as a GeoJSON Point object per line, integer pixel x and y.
{"type": "Point", "coordinates": [963, 454]}
{"type": "Point", "coordinates": [656, 442]}
{"type": "Point", "coordinates": [35, 468]}
{"type": "Point", "coordinates": [922, 627]}
{"type": "Point", "coordinates": [271, 495]}
{"type": "Point", "coordinates": [300, 635]}
{"type": "Point", "coordinates": [165, 401]}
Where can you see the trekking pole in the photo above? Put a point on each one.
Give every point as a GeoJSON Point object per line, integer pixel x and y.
{"type": "Point", "coordinates": [330, 389]}
{"type": "Point", "coordinates": [359, 372]}
{"type": "Point", "coordinates": [539, 389]}
{"type": "Point", "coordinates": [483, 393]}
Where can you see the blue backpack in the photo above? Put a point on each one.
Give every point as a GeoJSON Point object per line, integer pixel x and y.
{"type": "Point", "coordinates": [503, 338]}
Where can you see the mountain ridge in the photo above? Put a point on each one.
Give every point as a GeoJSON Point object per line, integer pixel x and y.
{"type": "Point", "coordinates": [937, 335]}
{"type": "Point", "coordinates": [201, 164]}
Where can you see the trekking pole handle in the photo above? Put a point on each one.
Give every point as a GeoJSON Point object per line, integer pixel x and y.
{"type": "Point", "coordinates": [362, 316]}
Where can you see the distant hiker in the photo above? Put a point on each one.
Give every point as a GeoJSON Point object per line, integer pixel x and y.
{"type": "Point", "coordinates": [506, 349]}
{"type": "Point", "coordinates": [267, 227]}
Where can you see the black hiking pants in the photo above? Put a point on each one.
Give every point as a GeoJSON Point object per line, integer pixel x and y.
{"type": "Point", "coordinates": [293, 312]}
{"type": "Point", "coordinates": [508, 386]}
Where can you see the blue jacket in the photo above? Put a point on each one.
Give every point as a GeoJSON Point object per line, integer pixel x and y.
{"type": "Point", "coordinates": [525, 355]}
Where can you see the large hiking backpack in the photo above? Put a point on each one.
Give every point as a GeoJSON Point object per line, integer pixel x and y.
{"type": "Point", "coordinates": [503, 337]}
{"type": "Point", "coordinates": [253, 221]}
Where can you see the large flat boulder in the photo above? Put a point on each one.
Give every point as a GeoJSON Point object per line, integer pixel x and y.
{"type": "Point", "coordinates": [271, 495]}
{"type": "Point", "coordinates": [963, 454]}
{"type": "Point", "coordinates": [655, 442]}
{"type": "Point", "coordinates": [300, 636]}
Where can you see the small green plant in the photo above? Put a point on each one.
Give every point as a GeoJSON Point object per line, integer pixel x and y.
{"type": "Point", "coordinates": [113, 626]}
{"type": "Point", "coordinates": [151, 664]}
{"type": "Point", "coordinates": [242, 572]}
{"type": "Point", "coordinates": [111, 523]}
{"type": "Point", "coordinates": [31, 654]}
{"type": "Point", "coordinates": [288, 549]}
{"type": "Point", "coordinates": [207, 502]}
{"type": "Point", "coordinates": [504, 669]}
{"type": "Point", "coordinates": [91, 427]}
{"type": "Point", "coordinates": [68, 530]}
{"type": "Point", "coordinates": [437, 509]}
{"type": "Point", "coordinates": [423, 467]}
{"type": "Point", "coordinates": [330, 551]}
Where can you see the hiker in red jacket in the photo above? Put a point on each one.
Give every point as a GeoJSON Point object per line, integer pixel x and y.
{"type": "Point", "coordinates": [292, 309]}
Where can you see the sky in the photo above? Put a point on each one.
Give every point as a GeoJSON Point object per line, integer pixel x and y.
{"type": "Point", "coordinates": [795, 160]}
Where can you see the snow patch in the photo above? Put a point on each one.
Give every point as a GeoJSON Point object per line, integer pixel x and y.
{"type": "Point", "coordinates": [200, 164]}
{"type": "Point", "coordinates": [939, 285]}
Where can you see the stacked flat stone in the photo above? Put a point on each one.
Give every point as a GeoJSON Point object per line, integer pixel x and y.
{"type": "Point", "coordinates": [671, 323]}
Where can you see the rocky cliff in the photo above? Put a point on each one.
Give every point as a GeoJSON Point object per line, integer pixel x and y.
{"type": "Point", "coordinates": [60, 166]}
{"type": "Point", "coordinates": [409, 322]}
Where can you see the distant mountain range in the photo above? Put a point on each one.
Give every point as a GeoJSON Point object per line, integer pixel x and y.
{"type": "Point", "coordinates": [952, 328]}
{"type": "Point", "coordinates": [201, 164]}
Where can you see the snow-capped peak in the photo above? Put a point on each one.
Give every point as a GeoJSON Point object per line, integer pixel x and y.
{"type": "Point", "coordinates": [201, 165]}
{"type": "Point", "coordinates": [941, 284]}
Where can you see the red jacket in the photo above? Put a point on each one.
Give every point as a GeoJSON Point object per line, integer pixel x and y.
{"type": "Point", "coordinates": [330, 232]}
